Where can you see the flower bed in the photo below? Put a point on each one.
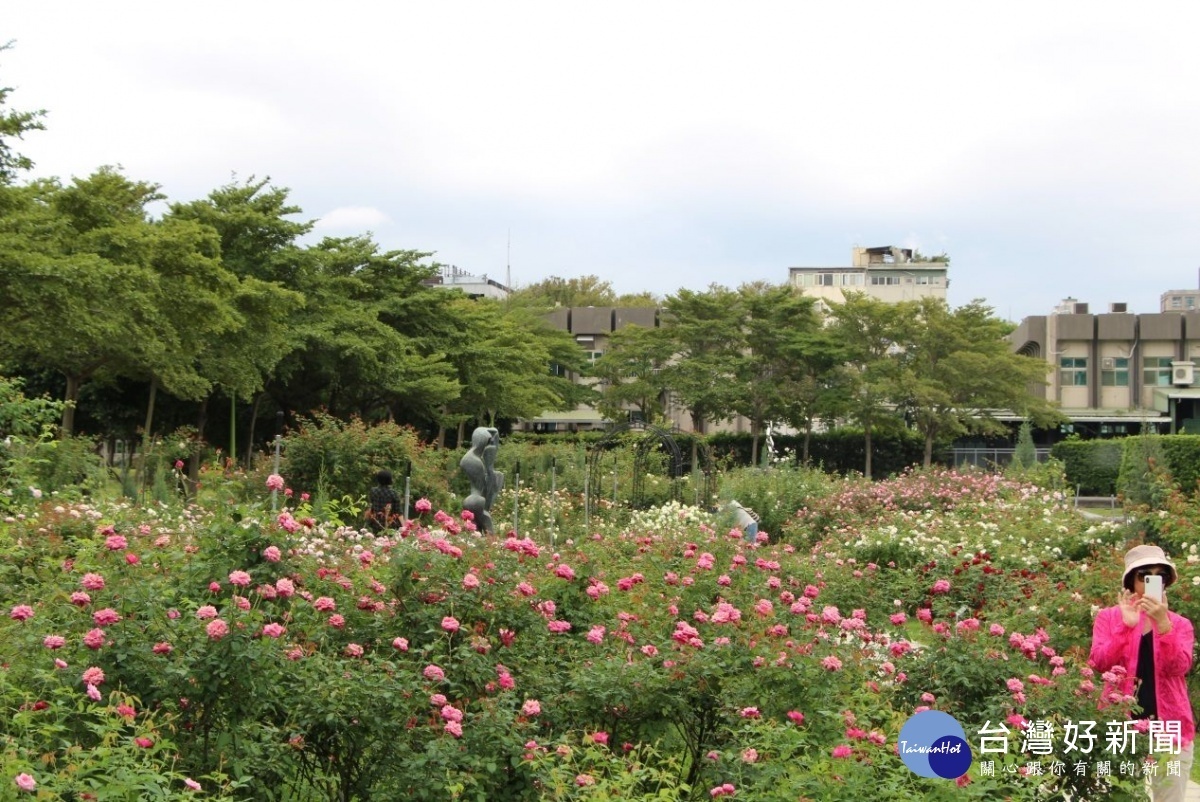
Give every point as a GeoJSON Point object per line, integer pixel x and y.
{"type": "Point", "coordinates": [261, 656]}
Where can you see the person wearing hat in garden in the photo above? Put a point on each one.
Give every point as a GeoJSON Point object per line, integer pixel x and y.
{"type": "Point", "coordinates": [1154, 646]}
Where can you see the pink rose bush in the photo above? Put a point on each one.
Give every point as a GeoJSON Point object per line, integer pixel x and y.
{"type": "Point", "coordinates": [789, 662]}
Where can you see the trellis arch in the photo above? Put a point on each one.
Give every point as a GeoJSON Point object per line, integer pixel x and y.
{"type": "Point", "coordinates": [653, 438]}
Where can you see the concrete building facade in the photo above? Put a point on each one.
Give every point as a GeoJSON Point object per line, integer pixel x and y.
{"type": "Point", "coordinates": [888, 273]}
{"type": "Point", "coordinates": [1116, 372]}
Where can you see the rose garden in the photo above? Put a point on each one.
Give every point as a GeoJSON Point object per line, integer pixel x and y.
{"type": "Point", "coordinates": [248, 640]}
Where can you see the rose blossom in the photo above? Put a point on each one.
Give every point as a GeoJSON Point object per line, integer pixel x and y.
{"type": "Point", "coordinates": [94, 638]}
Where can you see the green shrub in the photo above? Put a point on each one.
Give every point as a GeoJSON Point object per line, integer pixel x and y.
{"type": "Point", "coordinates": [1137, 483]}
{"type": "Point", "coordinates": [1092, 466]}
{"type": "Point", "coordinates": [775, 494]}
{"type": "Point", "coordinates": [335, 458]}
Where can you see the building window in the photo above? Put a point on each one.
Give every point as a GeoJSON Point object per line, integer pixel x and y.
{"type": "Point", "coordinates": [884, 280]}
{"type": "Point", "coordinates": [1190, 302]}
{"type": "Point", "coordinates": [557, 369]}
{"type": "Point", "coordinates": [824, 279]}
{"type": "Point", "coordinates": [804, 279]}
{"type": "Point", "coordinates": [594, 355]}
{"type": "Point", "coordinates": [1176, 302]}
{"type": "Point", "coordinates": [1114, 371]}
{"type": "Point", "coordinates": [851, 279]}
{"type": "Point", "coordinates": [1156, 371]}
{"type": "Point", "coordinates": [1072, 371]}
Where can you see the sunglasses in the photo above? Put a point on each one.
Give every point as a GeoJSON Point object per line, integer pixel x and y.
{"type": "Point", "coordinates": [1145, 573]}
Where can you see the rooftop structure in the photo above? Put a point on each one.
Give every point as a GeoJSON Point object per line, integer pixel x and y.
{"type": "Point", "coordinates": [887, 273]}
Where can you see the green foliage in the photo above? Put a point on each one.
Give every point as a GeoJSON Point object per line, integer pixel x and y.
{"type": "Point", "coordinates": [278, 657]}
{"type": "Point", "coordinates": [1092, 466]}
{"type": "Point", "coordinates": [774, 494]}
{"type": "Point", "coordinates": [13, 126]}
{"type": "Point", "coordinates": [1025, 453]}
{"type": "Point", "coordinates": [340, 459]}
{"type": "Point", "coordinates": [839, 451]}
{"type": "Point", "coordinates": [1181, 455]}
{"type": "Point", "coordinates": [1137, 483]}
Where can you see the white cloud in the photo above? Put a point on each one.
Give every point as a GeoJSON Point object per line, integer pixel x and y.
{"type": "Point", "coordinates": [354, 219]}
{"type": "Point", "coordinates": [1048, 147]}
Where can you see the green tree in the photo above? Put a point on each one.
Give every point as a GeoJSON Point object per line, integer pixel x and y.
{"type": "Point", "coordinates": [356, 353]}
{"type": "Point", "coordinates": [871, 332]}
{"type": "Point", "coordinates": [14, 125]}
{"type": "Point", "coordinates": [631, 373]}
{"type": "Point", "coordinates": [956, 371]}
{"type": "Point", "coordinates": [704, 332]}
{"type": "Point", "coordinates": [777, 350]}
{"type": "Point", "coordinates": [88, 277]}
{"type": "Point", "coordinates": [582, 291]}
{"type": "Point", "coordinates": [504, 358]}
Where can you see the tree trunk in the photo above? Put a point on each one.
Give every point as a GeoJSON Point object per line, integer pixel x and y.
{"type": "Point", "coordinates": [928, 448]}
{"type": "Point", "coordinates": [194, 460]}
{"type": "Point", "coordinates": [867, 441]}
{"type": "Point", "coordinates": [807, 441]}
{"type": "Point", "coordinates": [148, 426]}
{"type": "Point", "coordinates": [250, 435]}
{"type": "Point", "coordinates": [72, 399]}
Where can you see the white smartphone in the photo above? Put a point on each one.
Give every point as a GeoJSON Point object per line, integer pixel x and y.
{"type": "Point", "coordinates": [1154, 588]}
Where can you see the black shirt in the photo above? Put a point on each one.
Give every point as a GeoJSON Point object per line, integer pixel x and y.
{"type": "Point", "coordinates": [1146, 697]}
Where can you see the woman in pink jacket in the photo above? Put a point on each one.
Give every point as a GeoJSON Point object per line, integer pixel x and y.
{"type": "Point", "coordinates": [1154, 646]}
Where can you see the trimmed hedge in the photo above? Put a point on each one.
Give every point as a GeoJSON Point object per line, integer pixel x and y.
{"type": "Point", "coordinates": [1094, 466]}
{"type": "Point", "coordinates": [1091, 466]}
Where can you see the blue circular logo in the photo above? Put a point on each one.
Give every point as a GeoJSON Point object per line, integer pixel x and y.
{"type": "Point", "coordinates": [934, 744]}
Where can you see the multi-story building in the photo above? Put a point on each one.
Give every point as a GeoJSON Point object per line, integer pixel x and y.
{"type": "Point", "coordinates": [592, 327]}
{"type": "Point", "coordinates": [1117, 372]}
{"type": "Point", "coordinates": [1179, 301]}
{"type": "Point", "coordinates": [888, 273]}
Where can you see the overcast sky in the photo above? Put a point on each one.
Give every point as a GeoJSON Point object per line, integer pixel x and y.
{"type": "Point", "coordinates": [1052, 149]}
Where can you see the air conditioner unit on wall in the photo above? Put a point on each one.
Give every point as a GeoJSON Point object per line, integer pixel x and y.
{"type": "Point", "coordinates": [1107, 363]}
{"type": "Point", "coordinates": [1183, 374]}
